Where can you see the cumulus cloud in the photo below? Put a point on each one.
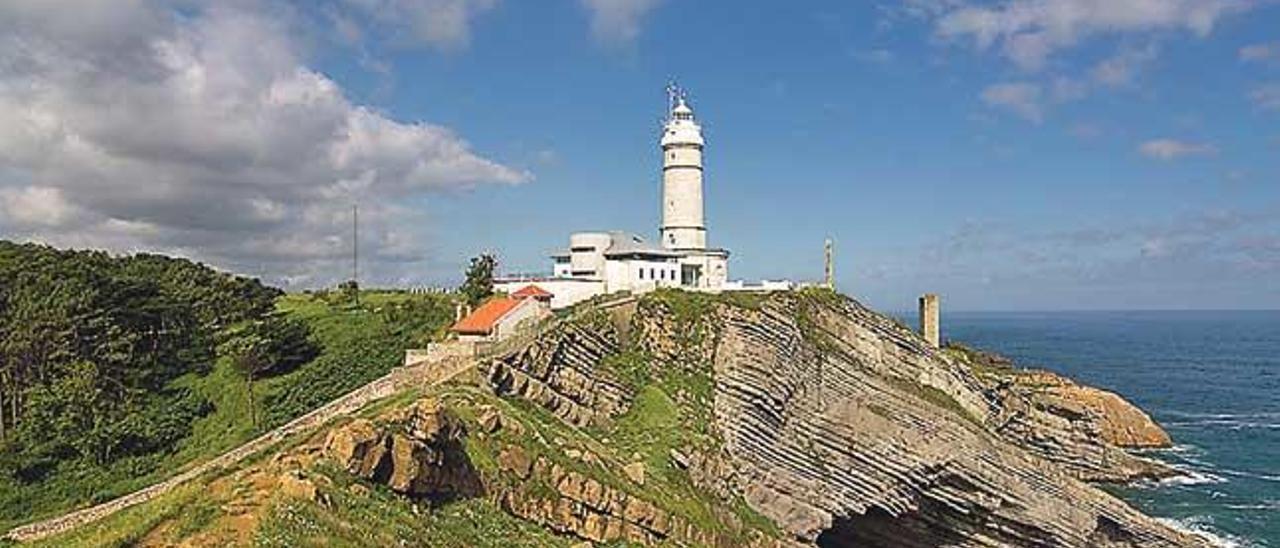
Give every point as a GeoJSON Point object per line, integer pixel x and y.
{"type": "Point", "coordinates": [1172, 149]}
{"type": "Point", "coordinates": [618, 21]}
{"type": "Point", "coordinates": [1028, 32]}
{"type": "Point", "coordinates": [443, 24]}
{"type": "Point", "coordinates": [1022, 98]}
{"type": "Point", "coordinates": [202, 133]}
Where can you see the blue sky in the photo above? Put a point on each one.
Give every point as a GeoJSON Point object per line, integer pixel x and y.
{"type": "Point", "coordinates": [1029, 154]}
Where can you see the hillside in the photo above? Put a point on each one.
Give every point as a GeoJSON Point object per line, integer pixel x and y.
{"type": "Point", "coordinates": [117, 372]}
{"type": "Point", "coordinates": [793, 418]}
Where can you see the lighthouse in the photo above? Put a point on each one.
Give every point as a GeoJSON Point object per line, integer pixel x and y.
{"type": "Point", "coordinates": [683, 227]}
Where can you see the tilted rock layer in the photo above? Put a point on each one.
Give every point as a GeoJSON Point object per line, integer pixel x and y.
{"type": "Point", "coordinates": [846, 428]}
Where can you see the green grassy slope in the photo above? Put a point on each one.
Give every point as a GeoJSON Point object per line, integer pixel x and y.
{"type": "Point", "coordinates": [358, 345]}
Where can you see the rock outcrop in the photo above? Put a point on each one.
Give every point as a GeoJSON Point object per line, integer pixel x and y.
{"type": "Point", "coordinates": [420, 454]}
{"type": "Point", "coordinates": [846, 428]}
{"type": "Point", "coordinates": [1082, 428]}
{"type": "Point", "coordinates": [557, 372]}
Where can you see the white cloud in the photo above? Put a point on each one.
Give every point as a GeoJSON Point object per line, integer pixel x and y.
{"type": "Point", "coordinates": [443, 24]}
{"type": "Point", "coordinates": [1269, 51]}
{"type": "Point", "coordinates": [1266, 96]}
{"type": "Point", "coordinates": [204, 134]}
{"type": "Point", "coordinates": [1022, 98]}
{"type": "Point", "coordinates": [1171, 149]}
{"type": "Point", "coordinates": [618, 21]}
{"type": "Point", "coordinates": [1032, 100]}
{"type": "Point", "coordinates": [36, 205]}
{"type": "Point", "coordinates": [1121, 70]}
{"type": "Point", "coordinates": [1028, 32]}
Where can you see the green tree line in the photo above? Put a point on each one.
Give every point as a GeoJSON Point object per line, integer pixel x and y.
{"type": "Point", "coordinates": [88, 342]}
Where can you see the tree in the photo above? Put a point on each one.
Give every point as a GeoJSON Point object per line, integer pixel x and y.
{"type": "Point", "coordinates": [479, 283]}
{"type": "Point", "coordinates": [246, 352]}
{"type": "Point", "coordinates": [273, 345]}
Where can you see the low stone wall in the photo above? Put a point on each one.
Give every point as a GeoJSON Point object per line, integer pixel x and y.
{"type": "Point", "coordinates": [438, 351]}
{"type": "Point", "coordinates": [398, 379]}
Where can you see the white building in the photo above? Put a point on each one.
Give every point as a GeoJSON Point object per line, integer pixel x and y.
{"type": "Point", "coordinates": [609, 262]}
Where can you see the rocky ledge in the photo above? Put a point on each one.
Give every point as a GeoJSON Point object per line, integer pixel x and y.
{"type": "Point", "coordinates": [846, 428]}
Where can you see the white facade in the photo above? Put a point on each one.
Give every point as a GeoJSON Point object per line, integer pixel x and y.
{"type": "Point", "coordinates": [641, 275]}
{"type": "Point", "coordinates": [609, 262]}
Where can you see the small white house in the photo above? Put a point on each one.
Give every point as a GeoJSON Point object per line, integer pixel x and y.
{"type": "Point", "coordinates": [501, 317]}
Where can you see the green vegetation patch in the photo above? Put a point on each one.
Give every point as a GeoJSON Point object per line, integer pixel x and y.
{"type": "Point", "coordinates": [358, 514]}
{"type": "Point", "coordinates": [208, 412]}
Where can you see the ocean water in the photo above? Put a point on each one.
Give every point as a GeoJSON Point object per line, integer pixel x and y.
{"type": "Point", "coordinates": [1212, 379]}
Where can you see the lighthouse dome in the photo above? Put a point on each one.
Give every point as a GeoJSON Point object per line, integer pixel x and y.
{"type": "Point", "coordinates": [681, 129]}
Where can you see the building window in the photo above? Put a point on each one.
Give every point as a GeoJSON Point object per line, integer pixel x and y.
{"type": "Point", "coordinates": [650, 273]}
{"type": "Point", "coordinates": [641, 273]}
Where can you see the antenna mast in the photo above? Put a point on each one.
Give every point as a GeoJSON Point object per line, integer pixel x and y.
{"type": "Point", "coordinates": [355, 251]}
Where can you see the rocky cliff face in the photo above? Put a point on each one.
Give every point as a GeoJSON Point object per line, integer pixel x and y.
{"type": "Point", "coordinates": [1083, 429]}
{"type": "Point", "coordinates": [845, 428]}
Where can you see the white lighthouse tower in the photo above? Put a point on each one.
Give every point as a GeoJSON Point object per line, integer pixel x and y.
{"type": "Point", "coordinates": [683, 226]}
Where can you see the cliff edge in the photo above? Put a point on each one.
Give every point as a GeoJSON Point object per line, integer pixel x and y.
{"type": "Point", "coordinates": [846, 428]}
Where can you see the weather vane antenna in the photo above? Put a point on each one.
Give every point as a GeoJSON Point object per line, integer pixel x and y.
{"type": "Point", "coordinates": [674, 94]}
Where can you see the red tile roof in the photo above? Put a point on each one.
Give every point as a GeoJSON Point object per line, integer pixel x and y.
{"type": "Point", "coordinates": [532, 291]}
{"type": "Point", "coordinates": [481, 321]}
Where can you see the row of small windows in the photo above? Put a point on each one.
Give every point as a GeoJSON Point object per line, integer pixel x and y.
{"type": "Point", "coordinates": [655, 274]}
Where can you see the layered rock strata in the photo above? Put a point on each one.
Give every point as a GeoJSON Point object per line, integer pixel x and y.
{"type": "Point", "coordinates": [557, 372]}
{"type": "Point", "coordinates": [846, 428]}
{"type": "Point", "coordinates": [418, 452]}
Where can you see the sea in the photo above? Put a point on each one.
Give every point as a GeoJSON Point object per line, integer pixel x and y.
{"type": "Point", "coordinates": [1211, 379]}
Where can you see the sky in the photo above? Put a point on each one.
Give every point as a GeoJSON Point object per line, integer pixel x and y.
{"type": "Point", "coordinates": [1014, 155]}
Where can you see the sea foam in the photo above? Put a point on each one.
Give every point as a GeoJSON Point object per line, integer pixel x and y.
{"type": "Point", "coordinates": [1202, 526]}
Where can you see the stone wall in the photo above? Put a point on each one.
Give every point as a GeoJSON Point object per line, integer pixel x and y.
{"type": "Point", "coordinates": [385, 386]}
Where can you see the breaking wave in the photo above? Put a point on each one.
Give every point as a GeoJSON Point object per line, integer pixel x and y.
{"type": "Point", "coordinates": [1202, 526]}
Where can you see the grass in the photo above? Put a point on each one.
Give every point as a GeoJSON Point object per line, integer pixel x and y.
{"type": "Point", "coordinates": [358, 345]}
{"type": "Point", "coordinates": [378, 517]}
{"type": "Point", "coordinates": [130, 525]}
{"type": "Point", "coordinates": [629, 367]}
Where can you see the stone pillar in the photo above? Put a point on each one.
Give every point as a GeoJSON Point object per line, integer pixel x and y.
{"type": "Point", "coordinates": [829, 267]}
{"type": "Point", "coordinates": [929, 323]}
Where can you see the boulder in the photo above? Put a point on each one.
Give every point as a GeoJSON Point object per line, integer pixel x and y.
{"type": "Point", "coordinates": [635, 472]}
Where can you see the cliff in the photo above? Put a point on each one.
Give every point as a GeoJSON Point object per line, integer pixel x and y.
{"type": "Point", "coordinates": [688, 419]}
{"type": "Point", "coordinates": [845, 428]}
